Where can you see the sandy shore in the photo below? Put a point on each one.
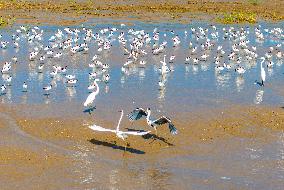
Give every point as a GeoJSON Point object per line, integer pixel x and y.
{"type": "Point", "coordinates": [33, 147]}
{"type": "Point", "coordinates": [200, 126]}
{"type": "Point", "coordinates": [75, 12]}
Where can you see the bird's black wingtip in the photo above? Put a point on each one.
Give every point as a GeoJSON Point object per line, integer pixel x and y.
{"type": "Point", "coordinates": [173, 130]}
{"type": "Point", "coordinates": [130, 117]}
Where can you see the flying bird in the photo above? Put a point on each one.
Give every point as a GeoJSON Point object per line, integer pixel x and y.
{"type": "Point", "coordinates": [120, 134]}
{"type": "Point", "coordinates": [138, 113]}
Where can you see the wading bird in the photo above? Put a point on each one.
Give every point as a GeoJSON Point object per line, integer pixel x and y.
{"type": "Point", "coordinates": [120, 134]}
{"type": "Point", "coordinates": [262, 72]}
{"type": "Point", "coordinates": [90, 99]}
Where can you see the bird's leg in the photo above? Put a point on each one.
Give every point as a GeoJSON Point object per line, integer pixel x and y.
{"type": "Point", "coordinates": [125, 144]}
{"type": "Point", "coordinates": [156, 131]}
{"type": "Point", "coordinates": [153, 137]}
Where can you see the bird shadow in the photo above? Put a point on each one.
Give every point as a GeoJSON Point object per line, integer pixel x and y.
{"type": "Point", "coordinates": [152, 136]}
{"type": "Point", "coordinates": [90, 110]}
{"type": "Point", "coordinates": [116, 147]}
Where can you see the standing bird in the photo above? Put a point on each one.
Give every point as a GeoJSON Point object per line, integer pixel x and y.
{"type": "Point", "coordinates": [90, 99]}
{"type": "Point", "coordinates": [120, 134]}
{"type": "Point", "coordinates": [47, 89]}
{"type": "Point", "coordinates": [262, 72]}
{"type": "Point", "coordinates": [139, 113]}
{"type": "Point", "coordinates": [164, 69]}
{"type": "Point", "coordinates": [25, 87]}
{"type": "Point", "coordinates": [3, 89]}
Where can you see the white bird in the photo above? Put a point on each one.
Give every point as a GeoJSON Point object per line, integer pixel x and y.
{"type": "Point", "coordinates": [142, 63]}
{"type": "Point", "coordinates": [14, 59]}
{"type": "Point", "coordinates": [92, 75]}
{"type": "Point", "coordinates": [90, 99]}
{"type": "Point", "coordinates": [71, 82]}
{"type": "Point", "coordinates": [164, 69]}
{"type": "Point", "coordinates": [70, 77]}
{"type": "Point", "coordinates": [262, 72]}
{"type": "Point", "coordinates": [106, 78]}
{"type": "Point", "coordinates": [120, 134]}
{"type": "Point", "coordinates": [53, 73]}
{"type": "Point", "coordinates": [172, 58]}
{"type": "Point", "coordinates": [25, 87]}
{"type": "Point", "coordinates": [240, 70]}
{"type": "Point", "coordinates": [8, 79]}
{"type": "Point", "coordinates": [6, 68]}
{"type": "Point", "coordinates": [40, 68]}
{"type": "Point", "coordinates": [3, 89]}
{"type": "Point", "coordinates": [47, 89]}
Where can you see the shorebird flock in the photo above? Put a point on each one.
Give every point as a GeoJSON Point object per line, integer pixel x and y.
{"type": "Point", "coordinates": [228, 48]}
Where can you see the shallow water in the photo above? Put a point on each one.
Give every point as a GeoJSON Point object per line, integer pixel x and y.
{"type": "Point", "coordinates": [187, 87]}
{"type": "Point", "coordinates": [238, 163]}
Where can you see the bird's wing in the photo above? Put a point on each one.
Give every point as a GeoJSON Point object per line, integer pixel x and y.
{"type": "Point", "coordinates": [90, 99]}
{"type": "Point", "coordinates": [162, 120]}
{"type": "Point", "coordinates": [172, 129]}
{"type": "Point", "coordinates": [137, 114]}
{"type": "Point", "coordinates": [137, 133]}
{"type": "Point", "coordinates": [99, 128]}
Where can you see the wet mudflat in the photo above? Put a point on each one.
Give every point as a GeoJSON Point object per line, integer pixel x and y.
{"type": "Point", "coordinates": [230, 127]}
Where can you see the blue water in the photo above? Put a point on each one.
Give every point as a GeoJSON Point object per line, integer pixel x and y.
{"type": "Point", "coordinates": [187, 88]}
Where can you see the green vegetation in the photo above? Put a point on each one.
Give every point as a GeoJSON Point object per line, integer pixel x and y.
{"type": "Point", "coordinates": [238, 17]}
{"type": "Point", "coordinates": [3, 22]}
{"type": "Point", "coordinates": [6, 21]}
{"type": "Point", "coordinates": [254, 2]}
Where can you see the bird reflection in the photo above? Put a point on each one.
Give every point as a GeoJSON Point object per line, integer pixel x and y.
{"type": "Point", "coordinates": [162, 92]}
{"type": "Point", "coordinates": [71, 91]}
{"type": "Point", "coordinates": [122, 80]}
{"type": "Point", "coordinates": [24, 98]}
{"type": "Point", "coordinates": [141, 73]}
{"type": "Point", "coordinates": [240, 82]}
{"type": "Point", "coordinates": [194, 69]}
{"type": "Point", "coordinates": [6, 97]}
{"type": "Point", "coordinates": [187, 69]}
{"type": "Point", "coordinates": [46, 99]}
{"type": "Point", "coordinates": [9, 95]}
{"type": "Point", "coordinates": [270, 71]}
{"type": "Point", "coordinates": [222, 80]}
{"type": "Point", "coordinates": [40, 77]}
{"type": "Point", "coordinates": [113, 179]}
{"type": "Point", "coordinates": [258, 96]}
{"type": "Point", "coordinates": [162, 87]}
{"type": "Point", "coordinates": [54, 83]}
{"type": "Point", "coordinates": [156, 68]}
{"type": "Point", "coordinates": [107, 89]}
{"type": "Point", "coordinates": [204, 67]}
{"type": "Point", "coordinates": [279, 63]}
{"type": "Point", "coordinates": [172, 67]}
